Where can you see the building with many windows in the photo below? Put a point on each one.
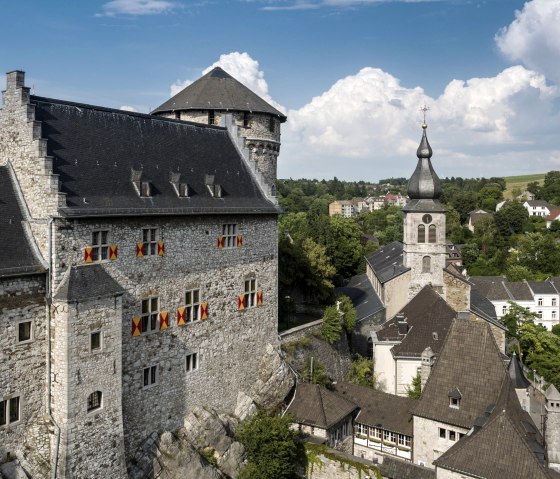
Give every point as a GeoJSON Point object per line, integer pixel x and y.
{"type": "Point", "coordinates": [138, 273]}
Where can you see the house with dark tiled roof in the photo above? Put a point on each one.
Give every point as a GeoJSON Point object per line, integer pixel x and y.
{"type": "Point", "coordinates": [538, 207]}
{"type": "Point", "coordinates": [138, 269]}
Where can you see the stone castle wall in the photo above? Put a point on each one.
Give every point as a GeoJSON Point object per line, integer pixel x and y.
{"type": "Point", "coordinates": [23, 369]}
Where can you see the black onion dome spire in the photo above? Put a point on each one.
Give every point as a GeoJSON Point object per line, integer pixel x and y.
{"type": "Point", "coordinates": [424, 183]}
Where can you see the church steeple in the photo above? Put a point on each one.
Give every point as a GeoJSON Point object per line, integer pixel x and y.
{"type": "Point", "coordinates": [424, 183]}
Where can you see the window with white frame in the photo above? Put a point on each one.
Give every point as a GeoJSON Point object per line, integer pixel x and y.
{"type": "Point", "coordinates": [388, 436]}
{"type": "Point", "coordinates": [539, 301]}
{"type": "Point", "coordinates": [95, 401]}
{"type": "Point", "coordinates": [150, 376]}
{"type": "Point", "coordinates": [150, 237]}
{"type": "Point", "coordinates": [192, 305]}
{"type": "Point", "coordinates": [553, 301]}
{"type": "Point", "coordinates": [191, 363]}
{"type": "Point", "coordinates": [150, 310]}
{"type": "Point", "coordinates": [250, 292]}
{"type": "Point", "coordinates": [404, 440]}
{"type": "Point", "coordinates": [24, 331]}
{"type": "Point", "coordinates": [9, 411]}
{"type": "Point", "coordinates": [100, 245]}
{"type": "Point", "coordinates": [539, 314]}
{"type": "Point", "coordinates": [553, 314]}
{"type": "Point", "coordinates": [504, 309]}
{"type": "Point", "coordinates": [361, 429]}
{"type": "Point", "coordinates": [442, 433]}
{"type": "Point", "coordinates": [95, 341]}
{"type": "Point", "coordinates": [229, 235]}
{"type": "Point", "coordinates": [452, 436]}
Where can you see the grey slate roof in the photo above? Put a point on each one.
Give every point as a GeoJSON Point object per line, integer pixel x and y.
{"type": "Point", "coordinates": [315, 405]}
{"type": "Point", "coordinates": [96, 149]}
{"type": "Point", "coordinates": [538, 203]}
{"type": "Point", "coordinates": [516, 375]}
{"type": "Point", "coordinates": [542, 287]}
{"type": "Point", "coordinates": [469, 353]}
{"type": "Point", "coordinates": [394, 468]}
{"type": "Point", "coordinates": [428, 317]}
{"type": "Point", "coordinates": [363, 296]}
{"type": "Point", "coordinates": [424, 182]}
{"type": "Point", "coordinates": [492, 287]}
{"type": "Point", "coordinates": [87, 282]}
{"type": "Point", "coordinates": [17, 255]}
{"type": "Point", "coordinates": [379, 409]}
{"type": "Point", "coordinates": [218, 90]}
{"type": "Point", "coordinates": [519, 291]}
{"type": "Point", "coordinates": [387, 263]}
{"type": "Point", "coordinates": [483, 307]}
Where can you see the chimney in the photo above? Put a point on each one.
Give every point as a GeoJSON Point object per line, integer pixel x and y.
{"type": "Point", "coordinates": [15, 79]}
{"type": "Point", "coordinates": [428, 359]}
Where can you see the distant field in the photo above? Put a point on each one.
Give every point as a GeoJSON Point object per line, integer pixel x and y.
{"type": "Point", "coordinates": [521, 182]}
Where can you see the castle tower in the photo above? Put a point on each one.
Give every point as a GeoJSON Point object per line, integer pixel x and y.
{"type": "Point", "coordinates": [216, 94]}
{"type": "Point", "coordinates": [424, 225]}
{"type": "Point", "coordinates": [552, 427]}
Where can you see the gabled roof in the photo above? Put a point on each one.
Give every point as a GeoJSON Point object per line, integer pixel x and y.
{"type": "Point", "coordinates": [395, 468]}
{"type": "Point", "coordinates": [554, 214]}
{"type": "Point", "coordinates": [379, 409]}
{"type": "Point", "coordinates": [387, 263]}
{"type": "Point", "coordinates": [17, 254]}
{"type": "Point", "coordinates": [491, 287]}
{"type": "Point", "coordinates": [534, 203]}
{"type": "Point", "coordinates": [363, 296]}
{"type": "Point", "coordinates": [96, 150]}
{"type": "Point", "coordinates": [218, 90]}
{"type": "Point", "coordinates": [483, 308]}
{"type": "Point", "coordinates": [87, 282]}
{"type": "Point", "coordinates": [471, 362]}
{"type": "Point", "coordinates": [315, 405]}
{"type": "Point", "coordinates": [519, 291]}
{"type": "Point", "coordinates": [428, 319]}
{"type": "Point", "coordinates": [542, 287]}
{"type": "Point", "coordinates": [552, 393]}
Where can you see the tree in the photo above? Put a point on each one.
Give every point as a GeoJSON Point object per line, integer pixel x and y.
{"type": "Point", "coordinates": [273, 450]}
{"type": "Point", "coordinates": [489, 196]}
{"type": "Point", "coordinates": [318, 270]}
{"type": "Point", "coordinates": [315, 372]}
{"type": "Point", "coordinates": [331, 327]}
{"type": "Point", "coordinates": [511, 219]}
{"type": "Point", "coordinates": [517, 272]}
{"type": "Point", "coordinates": [361, 372]}
{"type": "Point", "coordinates": [515, 317]}
{"type": "Point", "coordinates": [348, 312]}
{"type": "Point", "coordinates": [343, 241]}
{"type": "Point", "coordinates": [414, 391]}
{"type": "Point", "coordinates": [539, 253]}
{"type": "Point", "coordinates": [550, 190]}
{"type": "Point", "coordinates": [556, 329]}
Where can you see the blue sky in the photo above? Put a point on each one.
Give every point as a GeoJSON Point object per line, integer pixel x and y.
{"type": "Point", "coordinates": [351, 75]}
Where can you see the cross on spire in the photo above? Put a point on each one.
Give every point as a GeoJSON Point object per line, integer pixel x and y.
{"type": "Point", "coordinates": [424, 109]}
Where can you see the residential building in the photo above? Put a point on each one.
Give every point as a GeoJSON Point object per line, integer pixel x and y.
{"type": "Point", "coordinates": [474, 216]}
{"type": "Point", "coordinates": [537, 207]}
{"type": "Point", "coordinates": [554, 215]}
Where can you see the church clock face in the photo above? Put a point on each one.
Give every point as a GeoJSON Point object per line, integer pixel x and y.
{"type": "Point", "coordinates": [427, 219]}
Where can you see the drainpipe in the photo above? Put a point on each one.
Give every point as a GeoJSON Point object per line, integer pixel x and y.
{"type": "Point", "coordinates": [49, 349]}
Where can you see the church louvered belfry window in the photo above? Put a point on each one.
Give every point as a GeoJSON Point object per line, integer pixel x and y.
{"type": "Point", "coordinates": [421, 234]}
{"type": "Point", "coordinates": [432, 234]}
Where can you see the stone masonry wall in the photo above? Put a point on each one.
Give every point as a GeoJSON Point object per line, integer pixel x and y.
{"type": "Point", "coordinates": [23, 369]}
{"type": "Point", "coordinates": [229, 343]}
{"type": "Point", "coordinates": [458, 293]}
{"type": "Point", "coordinates": [92, 442]}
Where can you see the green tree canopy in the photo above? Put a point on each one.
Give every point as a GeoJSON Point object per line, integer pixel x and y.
{"type": "Point", "coordinates": [511, 218]}
{"type": "Point", "coordinates": [414, 391]}
{"type": "Point", "coordinates": [361, 372]}
{"type": "Point", "coordinates": [332, 324]}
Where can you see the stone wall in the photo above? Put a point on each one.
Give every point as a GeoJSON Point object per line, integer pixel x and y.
{"type": "Point", "coordinates": [324, 463]}
{"type": "Point", "coordinates": [457, 292]}
{"type": "Point", "coordinates": [396, 294]}
{"type": "Point", "coordinates": [23, 370]}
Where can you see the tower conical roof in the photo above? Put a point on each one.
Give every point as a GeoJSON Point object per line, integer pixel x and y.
{"type": "Point", "coordinates": [218, 90]}
{"type": "Point", "coordinates": [424, 183]}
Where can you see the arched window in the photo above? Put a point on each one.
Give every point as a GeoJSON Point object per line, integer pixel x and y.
{"type": "Point", "coordinates": [432, 234]}
{"type": "Point", "coordinates": [426, 264]}
{"type": "Point", "coordinates": [421, 234]}
{"type": "Point", "coordinates": [94, 401]}
{"type": "Point", "coordinates": [369, 353]}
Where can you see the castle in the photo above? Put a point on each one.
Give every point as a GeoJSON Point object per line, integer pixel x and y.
{"type": "Point", "coordinates": [138, 268]}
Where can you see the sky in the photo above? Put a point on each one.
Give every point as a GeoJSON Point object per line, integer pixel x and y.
{"type": "Point", "coordinates": [351, 75]}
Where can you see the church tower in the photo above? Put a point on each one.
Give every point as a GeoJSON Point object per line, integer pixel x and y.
{"type": "Point", "coordinates": [424, 225]}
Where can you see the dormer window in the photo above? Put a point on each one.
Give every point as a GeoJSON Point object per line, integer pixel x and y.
{"type": "Point", "coordinates": [145, 189]}
{"type": "Point", "coordinates": [246, 119]}
{"type": "Point", "coordinates": [211, 117]}
{"type": "Point", "coordinates": [455, 398]}
{"type": "Point", "coordinates": [183, 190]}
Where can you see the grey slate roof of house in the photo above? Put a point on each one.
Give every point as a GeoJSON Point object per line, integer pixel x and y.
{"type": "Point", "coordinates": [542, 287]}
{"type": "Point", "coordinates": [555, 280]}
{"type": "Point", "coordinates": [17, 255]}
{"type": "Point", "coordinates": [483, 307]}
{"type": "Point", "coordinates": [538, 203]}
{"type": "Point", "coordinates": [315, 405]}
{"type": "Point", "coordinates": [516, 375]}
{"type": "Point", "coordinates": [387, 263]}
{"type": "Point", "coordinates": [492, 287]}
{"type": "Point", "coordinates": [87, 282]}
{"type": "Point", "coordinates": [504, 444]}
{"type": "Point", "coordinates": [394, 468]}
{"type": "Point", "coordinates": [218, 90]}
{"type": "Point", "coordinates": [363, 296]}
{"type": "Point", "coordinates": [96, 149]}
{"type": "Point", "coordinates": [379, 409]}
{"type": "Point", "coordinates": [519, 291]}
{"type": "Point", "coordinates": [428, 317]}
{"type": "Point", "coordinates": [469, 353]}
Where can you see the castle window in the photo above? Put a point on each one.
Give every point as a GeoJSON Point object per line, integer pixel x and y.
{"type": "Point", "coordinates": [389, 436]}
{"type": "Point", "coordinates": [191, 363]}
{"type": "Point", "coordinates": [100, 245]}
{"type": "Point", "coordinates": [9, 411]}
{"type": "Point", "coordinates": [150, 376]}
{"type": "Point", "coordinates": [404, 440]}
{"type": "Point", "coordinates": [150, 308]}
{"type": "Point", "coordinates": [452, 436]}
{"type": "Point", "coordinates": [539, 301]}
{"type": "Point", "coordinates": [250, 293]}
{"type": "Point", "coordinates": [25, 331]}
{"type": "Point", "coordinates": [95, 341]}
{"type": "Point", "coordinates": [183, 190]}
{"type": "Point", "coordinates": [271, 124]}
{"type": "Point", "coordinates": [150, 238]}
{"type": "Point", "coordinates": [426, 264]}
{"type": "Point", "coordinates": [95, 400]}
{"type": "Point", "coordinates": [421, 234]}
{"type": "Point", "coordinates": [246, 119]}
{"type": "Point", "coordinates": [177, 115]}
{"type": "Point", "coordinates": [442, 433]}
{"type": "Point", "coordinates": [211, 117]}
{"type": "Point", "coordinates": [432, 234]}
{"type": "Point", "coordinates": [192, 305]}
{"type": "Point", "coordinates": [229, 235]}
{"type": "Point", "coordinates": [145, 189]}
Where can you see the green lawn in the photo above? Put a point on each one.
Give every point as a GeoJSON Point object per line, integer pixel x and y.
{"type": "Point", "coordinates": [520, 182]}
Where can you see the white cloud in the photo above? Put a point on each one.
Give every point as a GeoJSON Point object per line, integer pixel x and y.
{"type": "Point", "coordinates": [533, 38]}
{"type": "Point", "coordinates": [244, 69]}
{"type": "Point", "coordinates": [137, 7]}
{"type": "Point", "coordinates": [128, 108]}
{"type": "Point", "coordinates": [274, 5]}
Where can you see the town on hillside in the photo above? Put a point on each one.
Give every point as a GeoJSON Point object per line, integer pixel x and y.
{"type": "Point", "coordinates": [170, 308]}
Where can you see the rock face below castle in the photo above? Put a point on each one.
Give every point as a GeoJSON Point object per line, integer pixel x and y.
{"type": "Point", "coordinates": [146, 284]}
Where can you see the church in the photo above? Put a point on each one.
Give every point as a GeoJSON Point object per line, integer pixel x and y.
{"type": "Point", "coordinates": [138, 269]}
